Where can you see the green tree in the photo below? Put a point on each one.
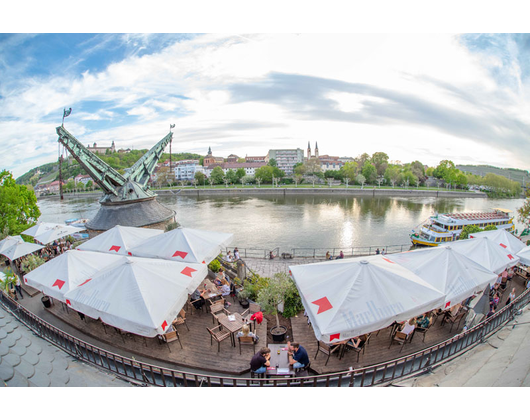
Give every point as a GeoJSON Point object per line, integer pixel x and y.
{"type": "Point", "coordinates": [265, 173]}
{"type": "Point", "coordinates": [392, 174]}
{"type": "Point", "coordinates": [443, 168]}
{"type": "Point", "coordinates": [240, 173]}
{"type": "Point", "coordinates": [273, 163]}
{"type": "Point", "coordinates": [523, 213]}
{"type": "Point", "coordinates": [280, 287]}
{"type": "Point", "coordinates": [89, 185]}
{"type": "Point", "coordinates": [200, 178]}
{"type": "Point", "coordinates": [18, 205]}
{"type": "Point", "coordinates": [468, 230]}
{"type": "Point", "coordinates": [369, 172]}
{"type": "Point", "coordinates": [380, 161]}
{"type": "Point", "coordinates": [217, 175]}
{"type": "Point", "coordinates": [349, 170]}
{"type": "Point", "coordinates": [360, 180]}
{"type": "Point", "coordinates": [231, 176]}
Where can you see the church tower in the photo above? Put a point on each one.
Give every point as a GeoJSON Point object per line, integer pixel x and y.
{"type": "Point", "coordinates": [308, 151]}
{"type": "Point", "coordinates": [316, 150]}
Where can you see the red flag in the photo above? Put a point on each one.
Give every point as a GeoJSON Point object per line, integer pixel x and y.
{"type": "Point", "coordinates": [85, 282]}
{"type": "Point", "coordinates": [68, 302]}
{"type": "Point", "coordinates": [447, 305]}
{"type": "Point", "coordinates": [504, 246]}
{"type": "Point", "coordinates": [180, 254]}
{"type": "Point", "coordinates": [188, 271]}
{"type": "Point", "coordinates": [511, 257]}
{"type": "Point", "coordinates": [164, 326]}
{"type": "Point", "coordinates": [334, 337]}
{"type": "Point", "coordinates": [115, 248]}
{"type": "Point", "coordinates": [387, 260]}
{"type": "Point", "coordinates": [58, 283]}
{"type": "Point", "coordinates": [323, 304]}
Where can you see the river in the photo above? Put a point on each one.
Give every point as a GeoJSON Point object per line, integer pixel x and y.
{"type": "Point", "coordinates": [297, 221]}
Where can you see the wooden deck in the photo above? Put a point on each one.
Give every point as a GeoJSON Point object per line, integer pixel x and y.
{"type": "Point", "coordinates": [198, 354]}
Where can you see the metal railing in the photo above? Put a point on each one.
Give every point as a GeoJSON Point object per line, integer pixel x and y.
{"type": "Point", "coordinates": [321, 252]}
{"type": "Point", "coordinates": [147, 374]}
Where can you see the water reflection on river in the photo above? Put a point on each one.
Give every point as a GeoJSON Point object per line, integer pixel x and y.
{"type": "Point", "coordinates": [297, 221]}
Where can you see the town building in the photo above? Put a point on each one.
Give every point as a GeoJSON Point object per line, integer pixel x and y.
{"type": "Point", "coordinates": [209, 159]}
{"type": "Point", "coordinates": [185, 170]}
{"type": "Point", "coordinates": [249, 167]}
{"type": "Point", "coordinates": [286, 158]}
{"type": "Point", "coordinates": [232, 158]}
{"type": "Point", "coordinates": [101, 150]}
{"type": "Point", "coordinates": [82, 179]}
{"type": "Point", "coordinates": [256, 159]}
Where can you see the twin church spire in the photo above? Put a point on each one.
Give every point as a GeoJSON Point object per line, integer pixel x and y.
{"type": "Point", "coordinates": [309, 150]}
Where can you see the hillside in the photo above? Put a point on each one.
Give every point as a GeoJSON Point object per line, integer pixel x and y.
{"type": "Point", "coordinates": [120, 161]}
{"type": "Point", "coordinates": [519, 175]}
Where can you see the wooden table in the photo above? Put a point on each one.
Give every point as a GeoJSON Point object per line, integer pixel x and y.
{"type": "Point", "coordinates": [233, 326]}
{"type": "Point", "coordinates": [279, 360]}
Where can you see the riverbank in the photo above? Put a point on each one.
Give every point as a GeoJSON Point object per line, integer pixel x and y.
{"type": "Point", "coordinates": [284, 191]}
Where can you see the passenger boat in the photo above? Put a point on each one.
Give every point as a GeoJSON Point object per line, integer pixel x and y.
{"type": "Point", "coordinates": [76, 222]}
{"type": "Point", "coordinates": [442, 228]}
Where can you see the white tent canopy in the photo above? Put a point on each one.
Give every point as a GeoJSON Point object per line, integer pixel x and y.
{"type": "Point", "coordinates": [502, 237]}
{"type": "Point", "coordinates": [448, 271]}
{"type": "Point", "coordinates": [57, 232]}
{"type": "Point", "coordinates": [139, 295]}
{"type": "Point", "coordinates": [485, 252]}
{"type": "Point", "coordinates": [19, 249]}
{"type": "Point", "coordinates": [347, 298]}
{"type": "Point", "coordinates": [9, 241]}
{"type": "Point", "coordinates": [119, 240]}
{"type": "Point", "coordinates": [42, 227]}
{"type": "Point", "coordinates": [183, 244]}
{"type": "Point", "coordinates": [524, 255]}
{"type": "Point", "coordinates": [68, 271]}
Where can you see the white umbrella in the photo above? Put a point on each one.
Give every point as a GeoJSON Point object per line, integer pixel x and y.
{"type": "Point", "coordinates": [503, 238]}
{"type": "Point", "coordinates": [524, 255]}
{"type": "Point", "coordinates": [19, 249]}
{"type": "Point", "coordinates": [142, 296]}
{"type": "Point", "coordinates": [67, 271]}
{"type": "Point", "coordinates": [455, 275]}
{"type": "Point", "coordinates": [485, 252]}
{"type": "Point", "coordinates": [40, 228]}
{"type": "Point", "coordinates": [57, 232]}
{"type": "Point", "coordinates": [347, 298]}
{"type": "Point", "coordinates": [183, 244]}
{"type": "Point", "coordinates": [119, 239]}
{"type": "Point", "coordinates": [9, 241]}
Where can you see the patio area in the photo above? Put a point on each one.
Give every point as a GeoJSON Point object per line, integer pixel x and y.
{"type": "Point", "coordinates": [198, 354]}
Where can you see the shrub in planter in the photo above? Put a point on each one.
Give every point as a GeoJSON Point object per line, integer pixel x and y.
{"type": "Point", "coordinates": [214, 266]}
{"type": "Point", "coordinates": [279, 288]}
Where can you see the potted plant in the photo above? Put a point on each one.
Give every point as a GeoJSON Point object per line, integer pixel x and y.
{"type": "Point", "coordinates": [243, 296]}
{"type": "Point", "coordinates": [271, 297]}
{"type": "Point", "coordinates": [8, 284]}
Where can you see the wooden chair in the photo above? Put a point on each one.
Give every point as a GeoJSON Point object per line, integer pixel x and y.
{"type": "Point", "coordinates": [421, 330]}
{"type": "Point", "coordinates": [246, 341]}
{"type": "Point", "coordinates": [181, 319]}
{"type": "Point", "coordinates": [400, 338]}
{"type": "Point", "coordinates": [360, 348]}
{"type": "Point", "coordinates": [168, 338]}
{"type": "Point", "coordinates": [192, 307]}
{"type": "Point", "coordinates": [327, 350]}
{"type": "Point", "coordinates": [455, 319]}
{"type": "Point", "coordinates": [216, 309]}
{"type": "Point", "coordinates": [303, 371]}
{"type": "Point", "coordinates": [218, 335]}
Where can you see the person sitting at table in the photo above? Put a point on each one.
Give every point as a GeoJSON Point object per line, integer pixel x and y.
{"type": "Point", "coordinates": [224, 288]}
{"type": "Point", "coordinates": [245, 332]}
{"type": "Point", "coordinates": [197, 298]}
{"type": "Point", "coordinates": [297, 355]}
{"type": "Point", "coordinates": [261, 361]}
{"type": "Point", "coordinates": [355, 341]}
{"type": "Point", "coordinates": [408, 326]}
{"type": "Point", "coordinates": [425, 320]}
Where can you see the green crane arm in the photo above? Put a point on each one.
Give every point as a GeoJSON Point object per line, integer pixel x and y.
{"type": "Point", "coordinates": [141, 171]}
{"type": "Point", "coordinates": [106, 177]}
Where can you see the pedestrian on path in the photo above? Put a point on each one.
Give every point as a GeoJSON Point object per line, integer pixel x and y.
{"type": "Point", "coordinates": [18, 288]}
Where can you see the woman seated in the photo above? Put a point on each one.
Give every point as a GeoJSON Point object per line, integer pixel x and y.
{"type": "Point", "coordinates": [425, 320]}
{"type": "Point", "coordinates": [224, 288]}
{"type": "Point", "coordinates": [245, 332]}
{"type": "Point", "coordinates": [408, 326]}
{"type": "Point", "coordinates": [197, 298]}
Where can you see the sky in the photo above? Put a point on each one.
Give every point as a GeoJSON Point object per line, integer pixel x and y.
{"type": "Point", "coordinates": [415, 96]}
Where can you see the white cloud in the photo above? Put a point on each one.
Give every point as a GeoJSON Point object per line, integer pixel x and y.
{"type": "Point", "coordinates": [152, 88]}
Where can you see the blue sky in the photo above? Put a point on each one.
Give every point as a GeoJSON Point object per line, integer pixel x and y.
{"type": "Point", "coordinates": [414, 96]}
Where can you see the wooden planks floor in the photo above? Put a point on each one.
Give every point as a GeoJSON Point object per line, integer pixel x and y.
{"type": "Point", "coordinates": [198, 354]}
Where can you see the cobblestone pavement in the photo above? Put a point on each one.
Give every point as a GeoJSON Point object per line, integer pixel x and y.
{"type": "Point", "coordinates": [267, 268]}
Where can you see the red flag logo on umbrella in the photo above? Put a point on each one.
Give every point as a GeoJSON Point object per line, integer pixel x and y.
{"type": "Point", "coordinates": [68, 302]}
{"type": "Point", "coordinates": [323, 304]}
{"type": "Point", "coordinates": [115, 248]}
{"type": "Point", "coordinates": [447, 305]}
{"type": "Point", "coordinates": [58, 283]}
{"type": "Point", "coordinates": [85, 282]}
{"type": "Point", "coordinates": [504, 246]}
{"type": "Point", "coordinates": [510, 256]}
{"type": "Point", "coordinates": [334, 337]}
{"type": "Point", "coordinates": [188, 271]}
{"type": "Point", "coordinates": [164, 326]}
{"type": "Point", "coordinates": [180, 254]}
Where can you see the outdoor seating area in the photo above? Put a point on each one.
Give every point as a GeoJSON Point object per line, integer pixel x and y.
{"type": "Point", "coordinates": [196, 320]}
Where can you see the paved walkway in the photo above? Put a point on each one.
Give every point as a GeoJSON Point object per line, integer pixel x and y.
{"type": "Point", "coordinates": [267, 268]}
